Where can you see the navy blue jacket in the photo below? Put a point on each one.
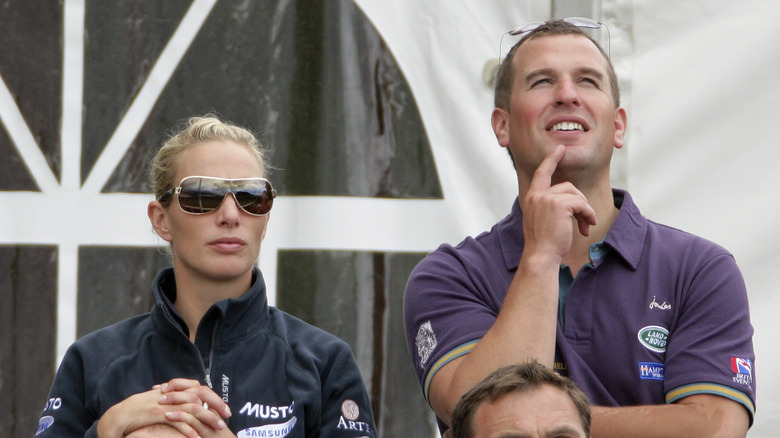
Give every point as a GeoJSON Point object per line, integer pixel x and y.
{"type": "Point", "coordinates": [280, 376]}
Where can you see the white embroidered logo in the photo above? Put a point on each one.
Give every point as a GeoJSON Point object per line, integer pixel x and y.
{"type": "Point", "coordinates": [269, 430]}
{"type": "Point", "coordinates": [662, 306]}
{"type": "Point", "coordinates": [426, 342]}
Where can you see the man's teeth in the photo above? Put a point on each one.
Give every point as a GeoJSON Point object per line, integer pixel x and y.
{"type": "Point", "coordinates": [567, 126]}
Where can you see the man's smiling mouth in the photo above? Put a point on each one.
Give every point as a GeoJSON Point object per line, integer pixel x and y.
{"type": "Point", "coordinates": [567, 126]}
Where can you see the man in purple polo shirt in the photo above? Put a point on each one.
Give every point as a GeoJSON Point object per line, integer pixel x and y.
{"type": "Point", "coordinates": [651, 322]}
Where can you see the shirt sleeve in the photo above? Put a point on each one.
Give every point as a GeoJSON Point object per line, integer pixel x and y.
{"type": "Point", "coordinates": [710, 349]}
{"type": "Point", "coordinates": [346, 407]}
{"type": "Point", "coordinates": [450, 302]}
{"type": "Point", "coordinates": [66, 413]}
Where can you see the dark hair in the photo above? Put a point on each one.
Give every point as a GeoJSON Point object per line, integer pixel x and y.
{"type": "Point", "coordinates": [506, 72]}
{"type": "Point", "coordinates": [515, 378]}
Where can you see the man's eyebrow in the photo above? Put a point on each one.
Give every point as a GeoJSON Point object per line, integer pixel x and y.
{"type": "Point", "coordinates": [598, 74]}
{"type": "Point", "coordinates": [564, 430]}
{"type": "Point", "coordinates": [538, 72]}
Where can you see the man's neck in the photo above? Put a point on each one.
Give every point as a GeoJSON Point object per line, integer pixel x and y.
{"type": "Point", "coordinates": [603, 202]}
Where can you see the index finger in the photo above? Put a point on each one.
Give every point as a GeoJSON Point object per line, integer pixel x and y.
{"type": "Point", "coordinates": [206, 395]}
{"type": "Point", "coordinates": [542, 178]}
{"type": "Point", "coordinates": [180, 384]}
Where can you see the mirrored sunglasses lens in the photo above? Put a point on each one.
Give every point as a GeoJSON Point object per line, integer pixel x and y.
{"type": "Point", "coordinates": [255, 198]}
{"type": "Point", "coordinates": [200, 195]}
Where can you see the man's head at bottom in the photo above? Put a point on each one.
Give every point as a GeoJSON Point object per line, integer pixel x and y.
{"type": "Point", "coordinates": [523, 401]}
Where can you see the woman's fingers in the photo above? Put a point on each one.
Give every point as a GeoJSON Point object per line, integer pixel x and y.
{"type": "Point", "coordinates": [179, 391]}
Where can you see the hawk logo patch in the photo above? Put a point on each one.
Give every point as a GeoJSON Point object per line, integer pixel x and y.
{"type": "Point", "coordinates": [426, 342]}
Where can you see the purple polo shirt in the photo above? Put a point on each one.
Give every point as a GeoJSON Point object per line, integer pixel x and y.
{"type": "Point", "coordinates": [660, 315]}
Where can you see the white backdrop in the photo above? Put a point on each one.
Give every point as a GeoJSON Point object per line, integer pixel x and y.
{"type": "Point", "coordinates": [699, 80]}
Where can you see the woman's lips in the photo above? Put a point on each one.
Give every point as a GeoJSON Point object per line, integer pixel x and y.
{"type": "Point", "coordinates": [228, 243]}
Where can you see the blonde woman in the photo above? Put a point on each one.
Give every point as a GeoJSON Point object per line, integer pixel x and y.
{"type": "Point", "coordinates": [211, 359]}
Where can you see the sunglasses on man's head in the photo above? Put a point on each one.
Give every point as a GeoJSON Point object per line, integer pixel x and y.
{"type": "Point", "coordinates": [577, 21]}
{"type": "Point", "coordinates": [204, 194]}
{"type": "Point", "coordinates": [580, 22]}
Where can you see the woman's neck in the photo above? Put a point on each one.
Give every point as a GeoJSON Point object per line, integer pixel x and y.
{"type": "Point", "coordinates": [196, 294]}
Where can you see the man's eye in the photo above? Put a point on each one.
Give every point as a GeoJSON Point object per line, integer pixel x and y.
{"type": "Point", "coordinates": [541, 82]}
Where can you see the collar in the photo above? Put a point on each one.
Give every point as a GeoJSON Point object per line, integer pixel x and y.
{"type": "Point", "coordinates": [232, 317]}
{"type": "Point", "coordinates": [626, 236]}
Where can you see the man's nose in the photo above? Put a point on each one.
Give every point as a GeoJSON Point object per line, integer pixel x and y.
{"type": "Point", "coordinates": [567, 93]}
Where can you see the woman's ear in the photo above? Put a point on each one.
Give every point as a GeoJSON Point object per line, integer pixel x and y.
{"type": "Point", "coordinates": [158, 216]}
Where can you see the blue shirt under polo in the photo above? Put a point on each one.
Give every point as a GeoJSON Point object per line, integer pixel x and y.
{"type": "Point", "coordinates": [661, 314]}
{"type": "Point", "coordinates": [566, 278]}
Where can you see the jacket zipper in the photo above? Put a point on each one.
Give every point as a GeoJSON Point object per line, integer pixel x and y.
{"type": "Point", "coordinates": [207, 369]}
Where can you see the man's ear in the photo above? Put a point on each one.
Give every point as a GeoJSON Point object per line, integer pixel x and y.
{"type": "Point", "coordinates": [621, 124]}
{"type": "Point", "coordinates": [499, 120]}
{"type": "Point", "coordinates": [158, 216]}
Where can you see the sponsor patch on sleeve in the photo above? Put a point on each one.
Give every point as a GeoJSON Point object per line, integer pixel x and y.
{"type": "Point", "coordinates": [743, 370]}
{"type": "Point", "coordinates": [44, 424]}
{"type": "Point", "coordinates": [426, 342]}
{"type": "Point", "coordinates": [350, 412]}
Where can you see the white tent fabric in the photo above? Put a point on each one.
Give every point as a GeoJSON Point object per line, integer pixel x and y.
{"type": "Point", "coordinates": [704, 86]}
{"type": "Point", "coordinates": [700, 84]}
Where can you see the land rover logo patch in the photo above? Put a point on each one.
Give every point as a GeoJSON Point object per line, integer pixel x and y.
{"type": "Point", "coordinates": [654, 338]}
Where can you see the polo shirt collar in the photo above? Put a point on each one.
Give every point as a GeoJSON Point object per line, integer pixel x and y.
{"type": "Point", "coordinates": [510, 236]}
{"type": "Point", "coordinates": [626, 236]}
{"type": "Point", "coordinates": [628, 233]}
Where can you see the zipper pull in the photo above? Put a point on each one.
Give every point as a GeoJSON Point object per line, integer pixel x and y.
{"type": "Point", "coordinates": [208, 379]}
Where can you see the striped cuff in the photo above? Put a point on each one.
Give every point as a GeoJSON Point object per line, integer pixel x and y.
{"type": "Point", "coordinates": [444, 360]}
{"type": "Point", "coordinates": [715, 389]}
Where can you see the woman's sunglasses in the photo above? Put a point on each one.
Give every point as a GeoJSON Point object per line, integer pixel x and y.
{"type": "Point", "coordinates": [204, 194]}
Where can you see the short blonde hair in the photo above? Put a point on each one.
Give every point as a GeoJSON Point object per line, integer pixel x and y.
{"type": "Point", "coordinates": [195, 131]}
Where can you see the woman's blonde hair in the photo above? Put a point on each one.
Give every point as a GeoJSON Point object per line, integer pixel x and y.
{"type": "Point", "coordinates": [195, 131]}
